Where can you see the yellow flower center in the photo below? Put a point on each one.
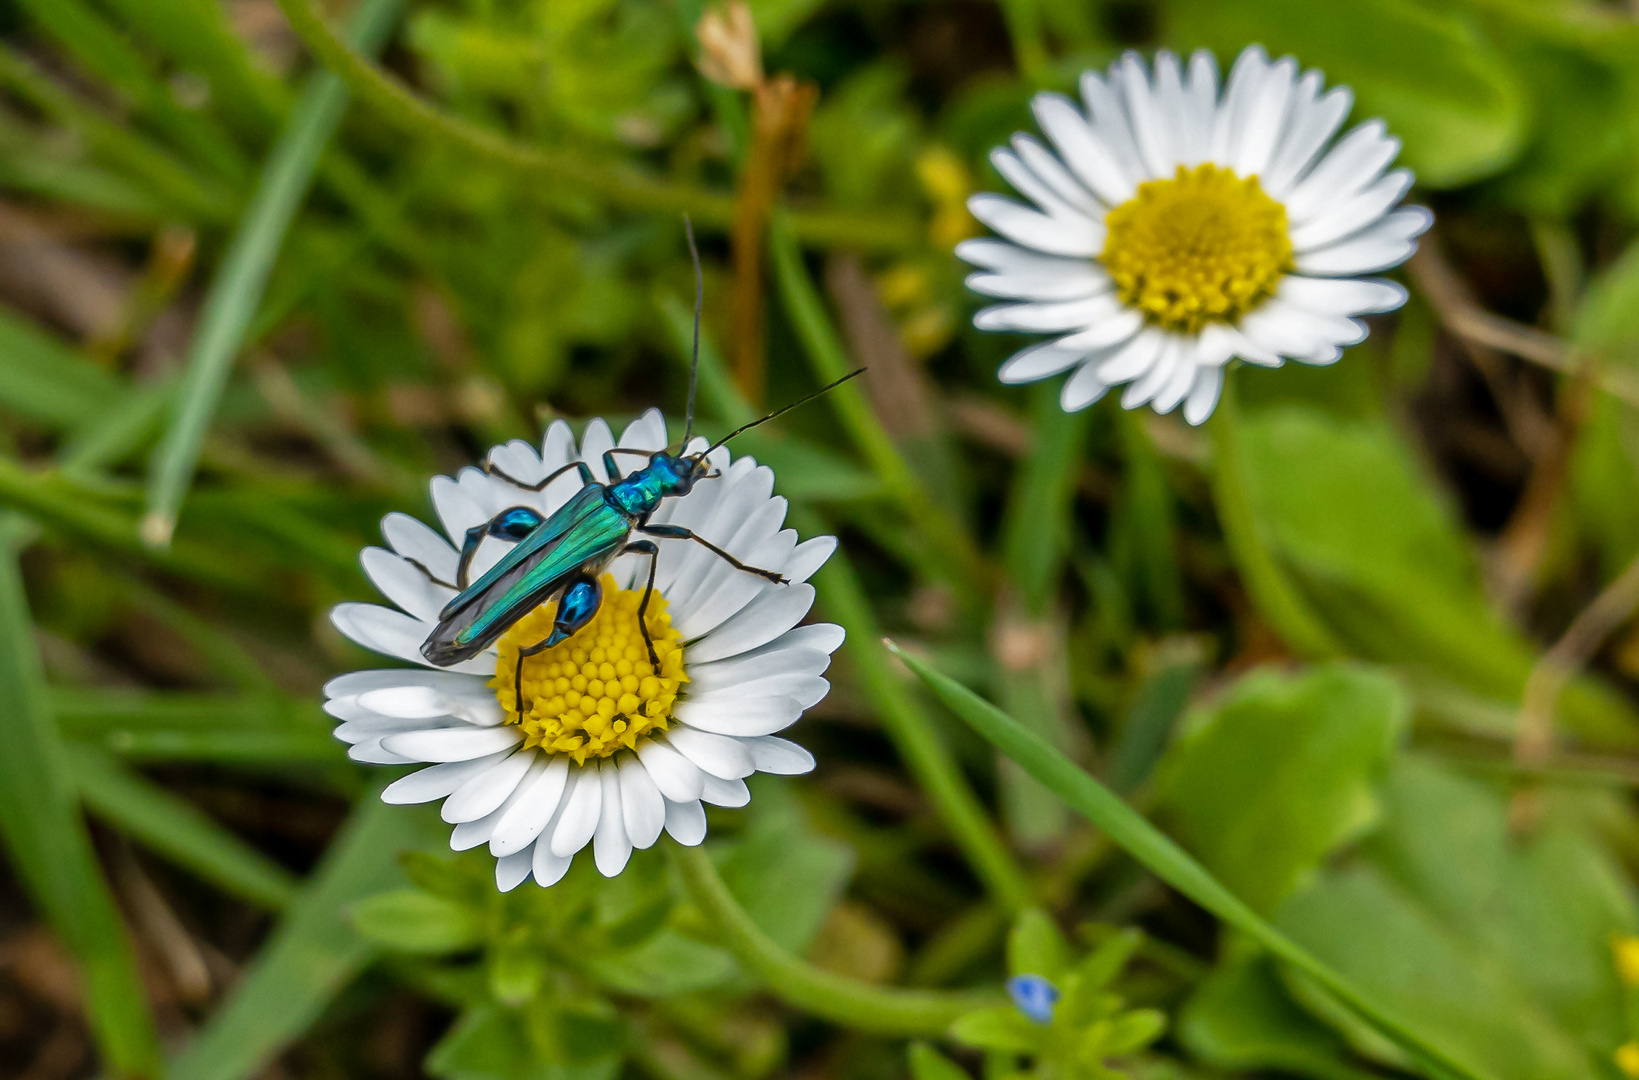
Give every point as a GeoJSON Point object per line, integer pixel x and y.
{"type": "Point", "coordinates": [1203, 245]}
{"type": "Point", "coordinates": [596, 692]}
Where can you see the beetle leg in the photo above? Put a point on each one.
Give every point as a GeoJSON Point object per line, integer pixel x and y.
{"type": "Point", "coordinates": [612, 469]}
{"type": "Point", "coordinates": [677, 532]}
{"type": "Point", "coordinates": [432, 577]}
{"type": "Point", "coordinates": [577, 603]}
{"type": "Point", "coordinates": [647, 547]}
{"type": "Point", "coordinates": [585, 475]}
{"type": "Point", "coordinates": [513, 523]}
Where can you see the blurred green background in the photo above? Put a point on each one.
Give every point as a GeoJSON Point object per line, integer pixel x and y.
{"type": "Point", "coordinates": [248, 306]}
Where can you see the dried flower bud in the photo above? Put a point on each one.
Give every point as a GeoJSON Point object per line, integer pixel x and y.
{"type": "Point", "coordinates": [730, 53]}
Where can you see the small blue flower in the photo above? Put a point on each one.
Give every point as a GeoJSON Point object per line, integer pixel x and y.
{"type": "Point", "coordinates": [1034, 996]}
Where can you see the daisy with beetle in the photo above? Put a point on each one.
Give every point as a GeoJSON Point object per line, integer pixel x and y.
{"type": "Point", "coordinates": [1176, 229]}
{"type": "Point", "coordinates": [610, 648]}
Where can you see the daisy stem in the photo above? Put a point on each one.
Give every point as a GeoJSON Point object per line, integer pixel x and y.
{"type": "Point", "coordinates": [1277, 599]}
{"type": "Point", "coordinates": [621, 187]}
{"type": "Point", "coordinates": [837, 998]}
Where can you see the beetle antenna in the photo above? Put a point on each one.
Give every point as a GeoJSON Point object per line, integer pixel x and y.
{"type": "Point", "coordinates": [782, 411]}
{"type": "Point", "coordinates": [694, 359]}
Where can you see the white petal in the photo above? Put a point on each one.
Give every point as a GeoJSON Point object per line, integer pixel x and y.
{"type": "Point", "coordinates": [1146, 386]}
{"type": "Point", "coordinates": [416, 540]}
{"type": "Point", "coordinates": [729, 793]}
{"type": "Point", "coordinates": [518, 460]}
{"type": "Point", "coordinates": [1089, 157]}
{"type": "Point", "coordinates": [1072, 235]}
{"type": "Point", "coordinates": [642, 806]}
{"type": "Point", "coordinates": [807, 557]}
{"type": "Point", "coordinates": [717, 755]}
{"type": "Point", "coordinates": [1132, 360]}
{"type": "Point", "coordinates": [1245, 77]}
{"type": "Point", "coordinates": [437, 781]}
{"type": "Point", "coordinates": [806, 690]}
{"type": "Point", "coordinates": [362, 682]}
{"type": "Point", "coordinates": [370, 752]}
{"type": "Point", "coordinates": [782, 757]}
{"type": "Point", "coordinates": [1149, 125]}
{"type": "Point", "coordinates": [759, 622]}
{"type": "Point", "coordinates": [1083, 388]}
{"type": "Point", "coordinates": [393, 633]}
{"type": "Point", "coordinates": [557, 447]}
{"type": "Point", "coordinates": [611, 848]}
{"type": "Point", "coordinates": [1114, 330]}
{"type": "Point", "coordinates": [484, 793]}
{"type": "Point", "coordinates": [749, 666]}
{"type": "Point", "coordinates": [511, 871]}
{"type": "Point", "coordinates": [582, 807]}
{"type": "Point", "coordinates": [742, 716]}
{"type": "Point", "coordinates": [686, 822]}
{"type": "Point", "coordinates": [1357, 160]}
{"type": "Point", "coordinates": [1342, 296]}
{"type": "Point", "coordinates": [1312, 124]}
{"type": "Point", "coordinates": [1353, 213]}
{"type": "Point", "coordinates": [647, 432]}
{"type": "Point", "coordinates": [1203, 396]}
{"type": "Point", "coordinates": [678, 778]}
{"type": "Point", "coordinates": [457, 510]}
{"type": "Point", "coordinates": [1388, 243]}
{"type": "Point", "coordinates": [471, 701]}
{"type": "Point", "coordinates": [1265, 119]}
{"type": "Point", "coordinates": [471, 834]}
{"type": "Point", "coordinates": [822, 637]}
{"type": "Point", "coordinates": [1050, 318]}
{"type": "Point", "coordinates": [1037, 190]}
{"type": "Point", "coordinates": [1003, 257]}
{"type": "Point", "coordinates": [1077, 280]}
{"type": "Point", "coordinates": [593, 443]}
{"type": "Point", "coordinates": [549, 868]}
{"type": "Point", "coordinates": [1040, 161]}
{"type": "Point", "coordinates": [539, 796]}
{"type": "Point", "coordinates": [1111, 129]}
{"type": "Point", "coordinates": [1172, 394]}
{"type": "Point", "coordinates": [1201, 105]}
{"type": "Point", "coordinates": [1038, 362]}
{"type": "Point", "coordinates": [453, 743]}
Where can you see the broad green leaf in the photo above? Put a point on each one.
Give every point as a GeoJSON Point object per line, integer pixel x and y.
{"type": "Point", "coordinates": [1036, 947]}
{"type": "Point", "coordinates": [1001, 1028]}
{"type": "Point", "coordinates": [491, 1043]}
{"type": "Point", "coordinates": [666, 964]}
{"type": "Point", "coordinates": [929, 1064]}
{"type": "Point", "coordinates": [1240, 1017]}
{"type": "Point", "coordinates": [1493, 944]}
{"type": "Point", "coordinates": [1128, 829]}
{"type": "Point", "coordinates": [314, 953]}
{"type": "Point", "coordinates": [1278, 772]}
{"type": "Point", "coordinates": [1378, 552]}
{"type": "Point", "coordinates": [409, 920]}
{"type": "Point", "coordinates": [1444, 89]}
{"type": "Point", "coordinates": [785, 875]}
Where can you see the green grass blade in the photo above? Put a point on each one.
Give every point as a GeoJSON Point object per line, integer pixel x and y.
{"type": "Point", "coordinates": [314, 953]}
{"type": "Point", "coordinates": [1171, 863]}
{"type": "Point", "coordinates": [49, 847]}
{"type": "Point", "coordinates": [44, 380]}
{"type": "Point", "coordinates": [171, 827]}
{"type": "Point", "coordinates": [240, 280]}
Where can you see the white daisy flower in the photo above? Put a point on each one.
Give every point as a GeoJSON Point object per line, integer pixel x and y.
{"type": "Point", "coordinates": [1177, 228]}
{"type": "Point", "coordinates": [609, 751]}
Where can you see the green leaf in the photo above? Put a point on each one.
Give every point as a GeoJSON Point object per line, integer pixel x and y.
{"type": "Point", "coordinates": [1001, 1028]}
{"type": "Point", "coordinates": [785, 875]}
{"type": "Point", "coordinates": [43, 379]}
{"type": "Point", "coordinates": [1132, 1031]}
{"type": "Point", "coordinates": [1036, 947]}
{"type": "Point", "coordinates": [1240, 1017]}
{"type": "Point", "coordinates": [1377, 549]}
{"type": "Point", "coordinates": [1278, 772]}
{"type": "Point", "coordinates": [666, 964]}
{"type": "Point", "coordinates": [1104, 963]}
{"type": "Point", "coordinates": [926, 1063]}
{"type": "Point", "coordinates": [314, 953]}
{"type": "Point", "coordinates": [412, 921]}
{"type": "Point", "coordinates": [1494, 944]}
{"type": "Point", "coordinates": [1443, 87]}
{"type": "Point", "coordinates": [48, 844]}
{"type": "Point", "coordinates": [1161, 855]}
{"type": "Point", "coordinates": [490, 1043]}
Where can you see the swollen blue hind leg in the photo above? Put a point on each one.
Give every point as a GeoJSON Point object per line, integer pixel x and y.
{"type": "Point", "coordinates": [577, 604]}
